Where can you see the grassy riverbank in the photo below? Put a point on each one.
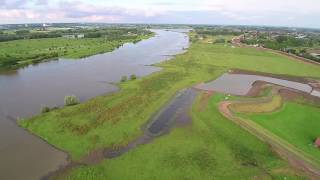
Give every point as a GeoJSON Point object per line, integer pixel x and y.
{"type": "Point", "coordinates": [114, 120]}
{"type": "Point", "coordinates": [19, 53]}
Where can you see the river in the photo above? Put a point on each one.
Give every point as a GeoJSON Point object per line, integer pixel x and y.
{"type": "Point", "coordinates": [24, 91]}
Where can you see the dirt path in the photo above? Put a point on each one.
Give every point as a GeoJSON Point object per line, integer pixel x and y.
{"type": "Point", "coordinates": [294, 156]}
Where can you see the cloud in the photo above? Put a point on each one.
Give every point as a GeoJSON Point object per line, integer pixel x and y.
{"type": "Point", "coordinates": [42, 2]}
{"type": "Point", "coordinates": [12, 4]}
{"type": "Point", "coordinates": [70, 10]}
{"type": "Point", "coordinates": [266, 12]}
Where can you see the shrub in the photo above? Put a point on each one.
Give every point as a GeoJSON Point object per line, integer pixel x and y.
{"type": "Point", "coordinates": [44, 109]}
{"type": "Point", "coordinates": [71, 100]}
{"type": "Point", "coordinates": [133, 77]}
{"type": "Point", "coordinates": [220, 41]}
{"type": "Point", "coordinates": [54, 108]}
{"type": "Point", "coordinates": [124, 78]}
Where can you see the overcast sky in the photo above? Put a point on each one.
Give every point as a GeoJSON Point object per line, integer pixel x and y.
{"type": "Point", "coordinates": [300, 13]}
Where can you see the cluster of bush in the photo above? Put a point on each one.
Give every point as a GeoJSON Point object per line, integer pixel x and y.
{"type": "Point", "coordinates": [125, 78]}
{"type": "Point", "coordinates": [8, 60]}
{"type": "Point", "coordinates": [68, 101]}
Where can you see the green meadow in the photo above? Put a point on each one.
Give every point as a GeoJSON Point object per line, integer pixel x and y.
{"type": "Point", "coordinates": [210, 146]}
{"type": "Point", "coordinates": [299, 124]}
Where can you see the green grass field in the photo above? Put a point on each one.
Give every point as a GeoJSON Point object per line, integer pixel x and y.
{"type": "Point", "coordinates": [205, 149]}
{"type": "Point", "coordinates": [22, 52]}
{"type": "Point", "coordinates": [114, 120]}
{"type": "Point", "coordinates": [299, 124]}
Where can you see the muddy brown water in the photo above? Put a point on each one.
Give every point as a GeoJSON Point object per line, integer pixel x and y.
{"type": "Point", "coordinates": [23, 92]}
{"type": "Point", "coordinates": [240, 84]}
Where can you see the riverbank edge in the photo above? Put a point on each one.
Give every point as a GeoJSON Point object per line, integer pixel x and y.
{"type": "Point", "coordinates": [51, 57]}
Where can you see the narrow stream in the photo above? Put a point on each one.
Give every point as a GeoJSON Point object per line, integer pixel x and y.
{"type": "Point", "coordinates": [23, 92]}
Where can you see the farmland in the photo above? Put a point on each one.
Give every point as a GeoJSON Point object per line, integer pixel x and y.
{"type": "Point", "coordinates": [116, 119]}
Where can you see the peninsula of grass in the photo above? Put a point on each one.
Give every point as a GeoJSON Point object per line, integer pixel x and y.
{"type": "Point", "coordinates": [116, 119]}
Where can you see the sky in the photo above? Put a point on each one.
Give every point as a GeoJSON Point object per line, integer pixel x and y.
{"type": "Point", "coordinates": [293, 13]}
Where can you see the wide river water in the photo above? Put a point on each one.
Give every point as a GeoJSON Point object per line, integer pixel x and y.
{"type": "Point", "coordinates": [24, 91]}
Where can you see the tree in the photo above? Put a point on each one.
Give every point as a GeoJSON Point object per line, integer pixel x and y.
{"type": "Point", "coordinates": [133, 77]}
{"type": "Point", "coordinates": [124, 78]}
{"type": "Point", "coordinates": [71, 100]}
{"type": "Point", "coordinates": [22, 32]}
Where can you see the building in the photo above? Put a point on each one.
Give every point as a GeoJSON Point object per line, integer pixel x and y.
{"type": "Point", "coordinates": [317, 142]}
{"type": "Point", "coordinates": [73, 36]}
{"type": "Point", "coordinates": [79, 36]}
{"type": "Point", "coordinates": [43, 27]}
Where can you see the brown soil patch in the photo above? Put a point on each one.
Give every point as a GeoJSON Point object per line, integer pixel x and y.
{"type": "Point", "coordinates": [297, 96]}
{"type": "Point", "coordinates": [284, 77]}
{"type": "Point", "coordinates": [315, 84]}
{"type": "Point", "coordinates": [286, 93]}
{"type": "Point", "coordinates": [256, 89]}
